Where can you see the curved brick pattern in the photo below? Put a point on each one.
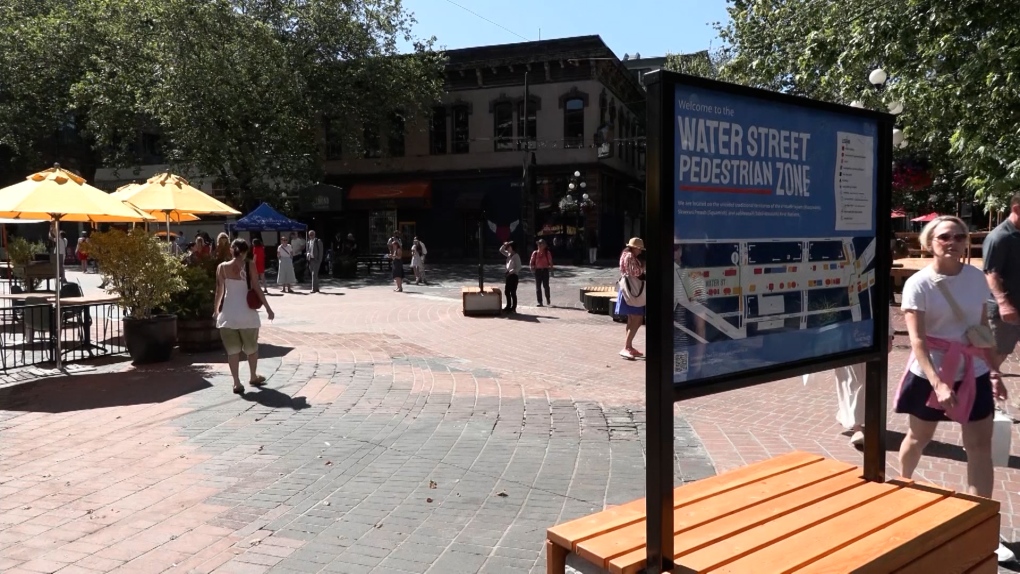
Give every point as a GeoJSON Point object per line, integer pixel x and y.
{"type": "Point", "coordinates": [328, 470]}
{"type": "Point", "coordinates": [164, 470]}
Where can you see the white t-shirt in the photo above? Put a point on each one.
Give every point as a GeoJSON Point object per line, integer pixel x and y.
{"type": "Point", "coordinates": [969, 289]}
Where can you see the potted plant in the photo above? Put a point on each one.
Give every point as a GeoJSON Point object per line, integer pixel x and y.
{"type": "Point", "coordinates": [138, 268]}
{"type": "Point", "coordinates": [21, 253]}
{"type": "Point", "coordinates": [196, 327]}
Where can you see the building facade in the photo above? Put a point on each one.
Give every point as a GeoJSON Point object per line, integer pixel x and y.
{"type": "Point", "coordinates": [460, 172]}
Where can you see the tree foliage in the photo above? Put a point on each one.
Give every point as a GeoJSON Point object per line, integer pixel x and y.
{"type": "Point", "coordinates": [239, 89]}
{"type": "Point", "coordinates": [705, 64]}
{"type": "Point", "coordinates": [952, 63]}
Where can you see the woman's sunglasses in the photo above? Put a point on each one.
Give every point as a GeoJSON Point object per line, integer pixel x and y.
{"type": "Point", "coordinates": [947, 237]}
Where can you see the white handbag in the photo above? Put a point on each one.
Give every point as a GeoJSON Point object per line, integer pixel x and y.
{"type": "Point", "coordinates": [1002, 437]}
{"type": "Point", "coordinates": [633, 292]}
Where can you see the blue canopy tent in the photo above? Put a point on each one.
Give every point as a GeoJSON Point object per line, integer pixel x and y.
{"type": "Point", "coordinates": [265, 218]}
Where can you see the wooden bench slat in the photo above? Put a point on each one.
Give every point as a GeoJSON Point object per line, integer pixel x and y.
{"type": "Point", "coordinates": [729, 526]}
{"type": "Point", "coordinates": [603, 548]}
{"type": "Point", "coordinates": [956, 555]}
{"type": "Point", "coordinates": [570, 533]}
{"type": "Point", "coordinates": [837, 531]}
{"type": "Point", "coordinates": [915, 537]}
{"type": "Point", "coordinates": [766, 534]}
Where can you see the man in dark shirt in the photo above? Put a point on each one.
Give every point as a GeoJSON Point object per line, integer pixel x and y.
{"type": "Point", "coordinates": [1001, 253]}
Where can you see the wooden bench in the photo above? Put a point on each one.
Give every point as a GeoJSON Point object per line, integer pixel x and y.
{"type": "Point", "coordinates": [795, 513]}
{"type": "Point", "coordinates": [595, 289]}
{"type": "Point", "coordinates": [375, 260]}
{"type": "Point", "coordinates": [600, 302]}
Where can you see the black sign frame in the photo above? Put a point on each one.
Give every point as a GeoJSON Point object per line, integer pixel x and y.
{"type": "Point", "coordinates": [660, 391]}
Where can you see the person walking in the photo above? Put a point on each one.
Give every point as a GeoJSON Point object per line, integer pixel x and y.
{"type": "Point", "coordinates": [513, 269]}
{"type": "Point", "coordinates": [632, 272]}
{"type": "Point", "coordinates": [223, 247]}
{"type": "Point", "coordinates": [237, 321]}
{"type": "Point", "coordinates": [948, 373]}
{"type": "Point", "coordinates": [82, 252]}
{"type": "Point", "coordinates": [593, 245]}
{"type": "Point", "coordinates": [541, 265]}
{"type": "Point", "coordinates": [314, 252]}
{"type": "Point", "coordinates": [285, 277]}
{"type": "Point", "coordinates": [418, 253]}
{"type": "Point", "coordinates": [1001, 255]}
{"type": "Point", "coordinates": [397, 260]}
{"type": "Point", "coordinates": [258, 255]}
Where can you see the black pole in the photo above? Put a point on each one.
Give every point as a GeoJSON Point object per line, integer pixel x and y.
{"type": "Point", "coordinates": [658, 368]}
{"type": "Point", "coordinates": [481, 254]}
{"type": "Point", "coordinates": [876, 372]}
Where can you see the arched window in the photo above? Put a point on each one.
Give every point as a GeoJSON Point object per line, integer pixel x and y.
{"type": "Point", "coordinates": [503, 126]}
{"type": "Point", "coordinates": [573, 123]}
{"type": "Point", "coordinates": [527, 127]}
{"type": "Point", "coordinates": [461, 128]}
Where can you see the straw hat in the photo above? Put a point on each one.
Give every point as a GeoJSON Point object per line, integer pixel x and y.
{"type": "Point", "coordinates": [636, 243]}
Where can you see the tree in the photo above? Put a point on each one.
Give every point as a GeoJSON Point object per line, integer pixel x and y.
{"type": "Point", "coordinates": [238, 89]}
{"type": "Point", "coordinates": [706, 64]}
{"type": "Point", "coordinates": [950, 63]}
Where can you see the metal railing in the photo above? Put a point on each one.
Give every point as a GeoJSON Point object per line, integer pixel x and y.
{"type": "Point", "coordinates": [29, 331]}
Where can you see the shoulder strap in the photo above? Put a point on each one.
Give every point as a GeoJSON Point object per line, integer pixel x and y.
{"type": "Point", "coordinates": [960, 315]}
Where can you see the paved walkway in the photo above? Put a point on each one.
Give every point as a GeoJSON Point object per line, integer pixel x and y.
{"type": "Point", "coordinates": [395, 436]}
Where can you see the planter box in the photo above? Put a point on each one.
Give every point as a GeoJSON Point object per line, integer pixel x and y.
{"type": "Point", "coordinates": [198, 335]}
{"type": "Point", "coordinates": [487, 303]}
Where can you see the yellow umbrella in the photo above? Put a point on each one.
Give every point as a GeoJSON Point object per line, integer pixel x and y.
{"type": "Point", "coordinates": [172, 196]}
{"type": "Point", "coordinates": [58, 195]}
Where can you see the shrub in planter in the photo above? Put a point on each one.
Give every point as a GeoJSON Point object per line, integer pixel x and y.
{"type": "Point", "coordinates": [139, 270]}
{"type": "Point", "coordinates": [196, 327]}
{"type": "Point", "coordinates": [22, 252]}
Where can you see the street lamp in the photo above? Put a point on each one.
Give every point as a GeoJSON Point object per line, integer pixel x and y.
{"type": "Point", "coordinates": [878, 78]}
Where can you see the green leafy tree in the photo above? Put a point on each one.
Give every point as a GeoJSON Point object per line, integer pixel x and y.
{"type": "Point", "coordinates": [706, 64]}
{"type": "Point", "coordinates": [238, 89]}
{"type": "Point", "coordinates": [951, 64]}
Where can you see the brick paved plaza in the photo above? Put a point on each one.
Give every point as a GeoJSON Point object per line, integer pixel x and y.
{"type": "Point", "coordinates": [394, 436]}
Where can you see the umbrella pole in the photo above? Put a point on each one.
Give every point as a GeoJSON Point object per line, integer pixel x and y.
{"type": "Point", "coordinates": [56, 320]}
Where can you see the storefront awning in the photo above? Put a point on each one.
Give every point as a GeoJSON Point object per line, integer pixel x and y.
{"type": "Point", "coordinates": [391, 191]}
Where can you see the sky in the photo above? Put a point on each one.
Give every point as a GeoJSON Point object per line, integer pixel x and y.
{"type": "Point", "coordinates": [649, 27]}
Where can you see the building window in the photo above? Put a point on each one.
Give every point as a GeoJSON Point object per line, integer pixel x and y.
{"type": "Point", "coordinates": [461, 129]}
{"type": "Point", "coordinates": [437, 131]}
{"type": "Point", "coordinates": [396, 138]}
{"type": "Point", "coordinates": [503, 126]}
{"type": "Point", "coordinates": [573, 123]}
{"type": "Point", "coordinates": [371, 141]}
{"type": "Point", "coordinates": [527, 127]}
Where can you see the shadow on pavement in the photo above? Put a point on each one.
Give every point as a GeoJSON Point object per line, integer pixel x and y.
{"type": "Point", "coordinates": [266, 351]}
{"type": "Point", "coordinates": [938, 449]}
{"type": "Point", "coordinates": [87, 392]}
{"type": "Point", "coordinates": [274, 399]}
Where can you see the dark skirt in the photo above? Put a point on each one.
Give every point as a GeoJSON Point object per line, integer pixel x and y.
{"type": "Point", "coordinates": [913, 399]}
{"type": "Point", "coordinates": [398, 269]}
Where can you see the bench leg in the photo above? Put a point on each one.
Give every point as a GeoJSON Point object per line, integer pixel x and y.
{"type": "Point", "coordinates": [555, 558]}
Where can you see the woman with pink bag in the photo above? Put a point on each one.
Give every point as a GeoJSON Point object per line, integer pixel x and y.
{"type": "Point", "coordinates": [947, 376]}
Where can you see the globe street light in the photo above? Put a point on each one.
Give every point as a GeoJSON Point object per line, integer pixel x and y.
{"type": "Point", "coordinates": [878, 77]}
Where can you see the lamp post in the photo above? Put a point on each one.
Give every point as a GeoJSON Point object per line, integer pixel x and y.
{"type": "Point", "coordinates": [569, 205]}
{"type": "Point", "coordinates": [878, 78]}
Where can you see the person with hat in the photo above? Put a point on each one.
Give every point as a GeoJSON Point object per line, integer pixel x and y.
{"type": "Point", "coordinates": [513, 269]}
{"type": "Point", "coordinates": [632, 270]}
{"type": "Point", "coordinates": [541, 265]}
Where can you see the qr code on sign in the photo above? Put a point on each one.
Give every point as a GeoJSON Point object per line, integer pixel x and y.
{"type": "Point", "coordinates": [680, 363]}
